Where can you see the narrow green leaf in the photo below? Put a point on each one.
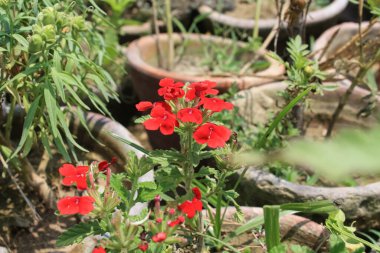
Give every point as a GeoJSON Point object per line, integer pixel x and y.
{"type": "Point", "coordinates": [27, 125]}
{"type": "Point", "coordinates": [52, 108]}
{"type": "Point", "coordinates": [20, 39]}
{"type": "Point", "coordinates": [132, 144]}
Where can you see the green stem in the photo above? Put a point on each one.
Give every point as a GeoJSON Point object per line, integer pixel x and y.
{"type": "Point", "coordinates": [272, 226]}
{"type": "Point", "coordinates": [8, 126]}
{"type": "Point", "coordinates": [281, 115]}
{"type": "Point", "coordinates": [169, 28]}
{"type": "Point", "coordinates": [257, 18]}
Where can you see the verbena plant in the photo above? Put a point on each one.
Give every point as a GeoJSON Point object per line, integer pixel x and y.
{"type": "Point", "coordinates": [182, 188]}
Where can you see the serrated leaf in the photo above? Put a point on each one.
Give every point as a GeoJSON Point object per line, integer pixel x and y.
{"type": "Point", "coordinates": [77, 233]}
{"type": "Point", "coordinates": [147, 185]}
{"type": "Point", "coordinates": [206, 171]}
{"type": "Point", "coordinates": [117, 183]}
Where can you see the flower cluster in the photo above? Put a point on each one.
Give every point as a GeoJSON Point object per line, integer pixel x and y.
{"type": "Point", "coordinates": [165, 223]}
{"type": "Point", "coordinates": [78, 176]}
{"type": "Point", "coordinates": [192, 104]}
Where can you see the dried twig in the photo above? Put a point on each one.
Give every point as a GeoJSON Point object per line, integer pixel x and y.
{"type": "Point", "coordinates": [37, 217]}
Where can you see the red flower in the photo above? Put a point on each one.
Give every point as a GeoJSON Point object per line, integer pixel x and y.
{"type": "Point", "coordinates": [213, 135]}
{"type": "Point", "coordinates": [74, 174]}
{"type": "Point", "coordinates": [190, 115]}
{"type": "Point", "coordinates": [159, 220]}
{"type": "Point", "coordinates": [143, 246]}
{"type": "Point", "coordinates": [164, 105]}
{"type": "Point", "coordinates": [176, 222]}
{"type": "Point", "coordinates": [216, 104]}
{"type": "Point", "coordinates": [171, 211]}
{"type": "Point", "coordinates": [197, 193]}
{"type": "Point", "coordinates": [191, 207]}
{"type": "Point", "coordinates": [103, 165]}
{"type": "Point", "coordinates": [143, 106]}
{"type": "Point", "coordinates": [170, 90]}
{"type": "Point", "coordinates": [159, 237]}
{"type": "Point", "coordinates": [201, 89]}
{"type": "Point", "coordinates": [99, 250]}
{"type": "Point", "coordinates": [161, 119]}
{"type": "Point", "coordinates": [73, 205]}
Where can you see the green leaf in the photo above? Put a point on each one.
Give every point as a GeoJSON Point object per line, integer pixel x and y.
{"type": "Point", "coordinates": [77, 233]}
{"type": "Point", "coordinates": [272, 226]}
{"type": "Point", "coordinates": [132, 144]}
{"type": "Point", "coordinates": [321, 207]}
{"type": "Point", "coordinates": [147, 185]}
{"type": "Point", "coordinates": [27, 125]}
{"type": "Point", "coordinates": [117, 183]}
{"type": "Point", "coordinates": [21, 40]}
{"type": "Point", "coordinates": [142, 119]}
{"type": "Point", "coordinates": [51, 106]}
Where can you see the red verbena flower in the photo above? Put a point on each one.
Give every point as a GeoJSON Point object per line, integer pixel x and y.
{"type": "Point", "coordinates": [103, 165]}
{"type": "Point", "coordinates": [170, 90]}
{"type": "Point", "coordinates": [99, 250]}
{"type": "Point", "coordinates": [213, 135]}
{"type": "Point", "coordinates": [197, 193]}
{"type": "Point", "coordinates": [161, 119]}
{"type": "Point", "coordinates": [143, 246]}
{"type": "Point", "coordinates": [143, 106]}
{"type": "Point", "coordinates": [73, 205]}
{"type": "Point", "coordinates": [176, 222]}
{"type": "Point", "coordinates": [191, 207]}
{"type": "Point", "coordinates": [159, 237]}
{"type": "Point", "coordinates": [201, 89]}
{"type": "Point", "coordinates": [190, 115]}
{"type": "Point", "coordinates": [158, 220]}
{"type": "Point", "coordinates": [171, 211]}
{"type": "Point", "coordinates": [216, 104]}
{"type": "Point", "coordinates": [74, 174]}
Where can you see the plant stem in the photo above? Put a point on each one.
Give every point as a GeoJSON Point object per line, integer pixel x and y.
{"type": "Point", "coordinates": [169, 28]}
{"type": "Point", "coordinates": [8, 126]}
{"type": "Point", "coordinates": [257, 18]}
{"type": "Point", "coordinates": [272, 226]}
{"type": "Point", "coordinates": [157, 32]}
{"type": "Point", "coordinates": [281, 115]}
{"type": "Point", "coordinates": [343, 101]}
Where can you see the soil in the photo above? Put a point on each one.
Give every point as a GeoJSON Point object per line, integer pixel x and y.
{"type": "Point", "coordinates": [245, 9]}
{"type": "Point", "coordinates": [216, 61]}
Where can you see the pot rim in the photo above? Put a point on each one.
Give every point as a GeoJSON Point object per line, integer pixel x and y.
{"type": "Point", "coordinates": [313, 18]}
{"type": "Point", "coordinates": [325, 37]}
{"type": "Point", "coordinates": [132, 52]}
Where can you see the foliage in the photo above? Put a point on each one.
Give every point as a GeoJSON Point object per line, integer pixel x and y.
{"type": "Point", "coordinates": [46, 64]}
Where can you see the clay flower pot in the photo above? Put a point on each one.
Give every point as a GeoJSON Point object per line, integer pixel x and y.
{"type": "Point", "coordinates": [145, 73]}
{"type": "Point", "coordinates": [359, 203]}
{"type": "Point", "coordinates": [317, 21]}
{"type": "Point", "coordinates": [294, 229]}
{"type": "Point", "coordinates": [336, 37]}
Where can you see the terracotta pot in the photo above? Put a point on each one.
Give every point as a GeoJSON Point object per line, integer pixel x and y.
{"type": "Point", "coordinates": [293, 229]}
{"type": "Point", "coordinates": [182, 10]}
{"type": "Point", "coordinates": [142, 67]}
{"type": "Point", "coordinates": [317, 21]}
{"type": "Point", "coordinates": [345, 32]}
{"type": "Point", "coordinates": [361, 203]}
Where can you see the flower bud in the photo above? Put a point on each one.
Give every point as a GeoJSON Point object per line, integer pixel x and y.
{"type": "Point", "coordinates": [48, 33]}
{"type": "Point", "coordinates": [62, 19]}
{"type": "Point", "coordinates": [78, 23]}
{"type": "Point", "coordinates": [4, 3]}
{"type": "Point", "coordinates": [48, 16]}
{"type": "Point", "coordinates": [308, 70]}
{"type": "Point", "coordinates": [35, 43]}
